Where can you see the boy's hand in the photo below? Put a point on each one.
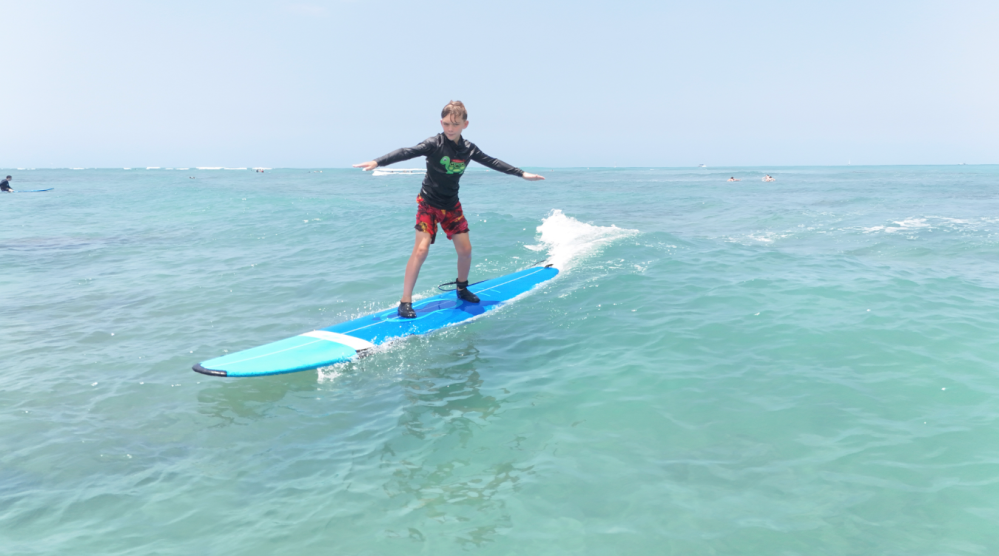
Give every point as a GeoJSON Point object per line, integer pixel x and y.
{"type": "Point", "coordinates": [367, 166]}
{"type": "Point", "coordinates": [532, 177]}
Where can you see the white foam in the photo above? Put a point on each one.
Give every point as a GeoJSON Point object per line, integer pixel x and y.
{"type": "Point", "coordinates": [757, 238]}
{"type": "Point", "coordinates": [568, 240]}
{"type": "Point", "coordinates": [954, 220]}
{"type": "Point", "coordinates": [907, 224]}
{"type": "Point", "coordinates": [765, 237]}
{"type": "Point", "coordinates": [910, 225]}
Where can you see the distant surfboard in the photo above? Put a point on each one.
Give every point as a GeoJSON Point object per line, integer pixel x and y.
{"type": "Point", "coordinates": [31, 190]}
{"type": "Point", "coordinates": [344, 341]}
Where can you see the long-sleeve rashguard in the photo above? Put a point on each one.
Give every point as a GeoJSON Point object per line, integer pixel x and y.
{"type": "Point", "coordinates": [446, 162]}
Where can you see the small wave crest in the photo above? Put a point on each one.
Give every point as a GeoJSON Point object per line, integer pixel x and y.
{"type": "Point", "coordinates": [914, 224]}
{"type": "Point", "coordinates": [568, 240]}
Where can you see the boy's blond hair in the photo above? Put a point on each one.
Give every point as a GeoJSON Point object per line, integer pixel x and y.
{"type": "Point", "coordinates": [456, 109]}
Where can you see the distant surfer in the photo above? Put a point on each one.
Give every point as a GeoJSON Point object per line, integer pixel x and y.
{"type": "Point", "coordinates": [769, 178]}
{"type": "Point", "coordinates": [5, 185]}
{"type": "Point", "coordinates": [733, 179]}
{"type": "Point", "coordinates": [448, 154]}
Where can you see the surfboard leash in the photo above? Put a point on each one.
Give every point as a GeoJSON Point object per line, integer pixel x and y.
{"type": "Point", "coordinates": [455, 283]}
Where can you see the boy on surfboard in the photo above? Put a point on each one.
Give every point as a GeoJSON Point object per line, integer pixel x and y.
{"type": "Point", "coordinates": [448, 154]}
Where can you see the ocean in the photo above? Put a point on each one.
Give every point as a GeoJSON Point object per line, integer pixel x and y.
{"type": "Point", "coordinates": [799, 367]}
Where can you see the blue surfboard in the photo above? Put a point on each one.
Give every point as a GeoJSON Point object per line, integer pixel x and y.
{"type": "Point", "coordinates": [31, 190]}
{"type": "Point", "coordinates": [344, 341]}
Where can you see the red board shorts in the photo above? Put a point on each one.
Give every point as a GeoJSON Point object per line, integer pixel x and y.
{"type": "Point", "coordinates": [451, 221]}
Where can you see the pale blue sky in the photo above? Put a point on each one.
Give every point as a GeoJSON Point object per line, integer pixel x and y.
{"type": "Point", "coordinates": [625, 83]}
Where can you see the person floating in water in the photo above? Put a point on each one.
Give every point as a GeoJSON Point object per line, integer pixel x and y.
{"type": "Point", "coordinates": [769, 178]}
{"type": "Point", "coordinates": [733, 179]}
{"type": "Point", "coordinates": [5, 185]}
{"type": "Point", "coordinates": [448, 154]}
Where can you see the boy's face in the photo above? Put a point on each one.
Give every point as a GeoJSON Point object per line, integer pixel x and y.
{"type": "Point", "coordinates": [453, 126]}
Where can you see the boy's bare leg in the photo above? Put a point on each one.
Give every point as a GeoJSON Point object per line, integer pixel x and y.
{"type": "Point", "coordinates": [420, 249]}
{"type": "Point", "coordinates": [463, 246]}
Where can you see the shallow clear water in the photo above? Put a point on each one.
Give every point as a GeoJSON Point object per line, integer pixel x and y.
{"type": "Point", "coordinates": [799, 367]}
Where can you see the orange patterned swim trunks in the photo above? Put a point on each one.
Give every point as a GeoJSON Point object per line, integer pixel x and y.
{"type": "Point", "coordinates": [451, 221]}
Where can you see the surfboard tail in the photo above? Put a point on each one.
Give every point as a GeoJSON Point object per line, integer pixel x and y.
{"type": "Point", "coordinates": [198, 368]}
{"type": "Point", "coordinates": [318, 348]}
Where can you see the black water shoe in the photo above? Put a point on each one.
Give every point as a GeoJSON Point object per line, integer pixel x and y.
{"type": "Point", "coordinates": [465, 294]}
{"type": "Point", "coordinates": [406, 310]}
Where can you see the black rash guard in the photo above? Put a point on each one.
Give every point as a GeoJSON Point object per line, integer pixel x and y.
{"type": "Point", "coordinates": [4, 185]}
{"type": "Point", "coordinates": [446, 162]}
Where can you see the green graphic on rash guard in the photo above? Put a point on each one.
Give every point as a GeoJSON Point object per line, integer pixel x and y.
{"type": "Point", "coordinates": [456, 167]}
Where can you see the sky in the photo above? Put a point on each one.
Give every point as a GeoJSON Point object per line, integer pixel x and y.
{"type": "Point", "coordinates": [547, 84]}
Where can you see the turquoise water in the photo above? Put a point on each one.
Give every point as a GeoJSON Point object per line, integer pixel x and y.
{"type": "Point", "coordinates": [799, 367]}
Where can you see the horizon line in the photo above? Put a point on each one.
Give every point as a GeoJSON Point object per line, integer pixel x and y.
{"type": "Point", "coordinates": [247, 168]}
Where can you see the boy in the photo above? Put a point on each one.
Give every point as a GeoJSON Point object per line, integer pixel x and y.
{"type": "Point", "coordinates": [5, 185]}
{"type": "Point", "coordinates": [447, 155]}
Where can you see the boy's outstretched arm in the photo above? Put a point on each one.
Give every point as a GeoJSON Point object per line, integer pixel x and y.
{"type": "Point", "coordinates": [500, 166]}
{"type": "Point", "coordinates": [399, 155]}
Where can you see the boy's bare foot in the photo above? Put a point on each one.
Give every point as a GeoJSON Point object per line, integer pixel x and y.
{"type": "Point", "coordinates": [465, 294]}
{"type": "Point", "coordinates": [406, 310]}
